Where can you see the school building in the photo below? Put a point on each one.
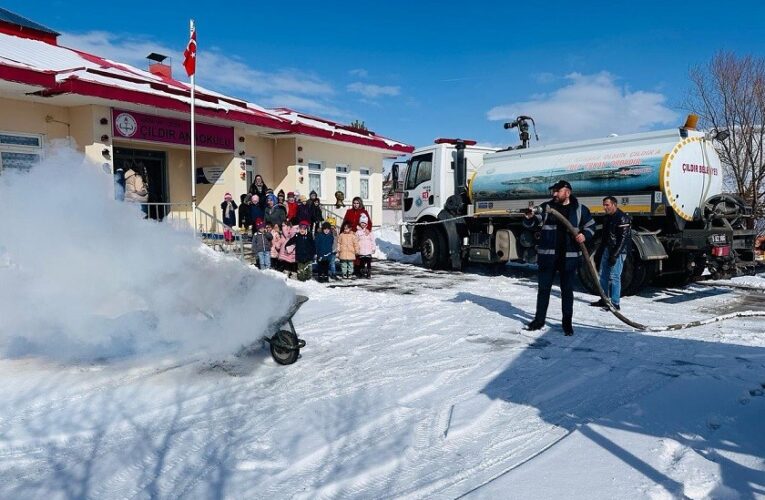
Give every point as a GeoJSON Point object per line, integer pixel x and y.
{"type": "Point", "coordinates": [120, 116]}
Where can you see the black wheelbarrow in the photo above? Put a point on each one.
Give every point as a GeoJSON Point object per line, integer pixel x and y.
{"type": "Point", "coordinates": [285, 344]}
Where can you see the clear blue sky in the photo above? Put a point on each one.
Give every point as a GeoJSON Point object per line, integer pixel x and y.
{"type": "Point", "coordinates": [414, 70]}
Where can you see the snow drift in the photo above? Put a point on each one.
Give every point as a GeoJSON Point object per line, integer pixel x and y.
{"type": "Point", "coordinates": [86, 277]}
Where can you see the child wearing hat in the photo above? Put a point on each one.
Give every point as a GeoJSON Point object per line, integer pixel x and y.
{"type": "Point", "coordinates": [347, 248]}
{"type": "Point", "coordinates": [256, 211]}
{"type": "Point", "coordinates": [292, 206]}
{"type": "Point", "coordinates": [367, 247]}
{"type": "Point", "coordinates": [325, 240]}
{"type": "Point", "coordinates": [276, 240]}
{"type": "Point", "coordinates": [305, 250]}
{"type": "Point", "coordinates": [261, 245]}
{"type": "Point", "coordinates": [228, 209]}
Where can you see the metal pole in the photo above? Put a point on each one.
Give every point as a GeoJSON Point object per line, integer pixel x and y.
{"type": "Point", "coordinates": [193, 150]}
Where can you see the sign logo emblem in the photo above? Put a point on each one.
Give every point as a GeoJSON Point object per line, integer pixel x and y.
{"type": "Point", "coordinates": [126, 125]}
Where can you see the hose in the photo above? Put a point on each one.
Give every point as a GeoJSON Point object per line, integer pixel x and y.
{"type": "Point", "coordinates": [639, 326]}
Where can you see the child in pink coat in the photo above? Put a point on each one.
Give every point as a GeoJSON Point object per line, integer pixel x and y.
{"type": "Point", "coordinates": [276, 232]}
{"type": "Point", "coordinates": [367, 247]}
{"type": "Point", "coordinates": [287, 253]}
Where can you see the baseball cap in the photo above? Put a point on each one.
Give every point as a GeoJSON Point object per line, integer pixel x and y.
{"type": "Point", "coordinates": [560, 184]}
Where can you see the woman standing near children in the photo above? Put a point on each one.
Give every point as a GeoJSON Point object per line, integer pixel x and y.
{"type": "Point", "coordinates": [347, 248]}
{"type": "Point", "coordinates": [287, 254]}
{"type": "Point", "coordinates": [305, 250]}
{"type": "Point", "coordinates": [367, 247]}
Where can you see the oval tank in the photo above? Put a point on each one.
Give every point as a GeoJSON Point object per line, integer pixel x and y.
{"type": "Point", "coordinates": [686, 169]}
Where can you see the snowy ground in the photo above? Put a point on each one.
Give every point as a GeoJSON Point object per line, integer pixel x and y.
{"type": "Point", "coordinates": [413, 384]}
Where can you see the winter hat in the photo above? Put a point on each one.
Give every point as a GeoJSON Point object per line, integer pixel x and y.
{"type": "Point", "coordinates": [304, 223]}
{"type": "Point", "coordinates": [363, 219]}
{"type": "Point", "coordinates": [271, 198]}
{"type": "Point", "coordinates": [243, 197]}
{"type": "Point", "coordinates": [332, 221]}
{"type": "Point", "coordinates": [227, 197]}
{"type": "Point", "coordinates": [303, 198]}
{"type": "Point", "coordinates": [259, 223]}
{"type": "Point", "coordinates": [290, 194]}
{"type": "Point", "coordinates": [313, 193]}
{"type": "Point", "coordinates": [297, 194]}
{"type": "Point", "coordinates": [255, 198]}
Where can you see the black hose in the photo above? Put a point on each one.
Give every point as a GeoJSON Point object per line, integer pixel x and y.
{"type": "Point", "coordinates": [638, 326]}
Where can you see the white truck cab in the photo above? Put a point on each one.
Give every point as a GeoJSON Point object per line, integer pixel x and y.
{"type": "Point", "coordinates": [429, 182]}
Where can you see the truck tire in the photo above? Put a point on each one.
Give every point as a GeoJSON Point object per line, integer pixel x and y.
{"type": "Point", "coordinates": [433, 249]}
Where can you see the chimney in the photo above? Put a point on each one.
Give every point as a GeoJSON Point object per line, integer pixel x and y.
{"type": "Point", "coordinates": [158, 66]}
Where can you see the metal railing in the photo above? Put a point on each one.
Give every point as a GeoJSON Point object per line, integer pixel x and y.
{"type": "Point", "coordinates": [209, 228]}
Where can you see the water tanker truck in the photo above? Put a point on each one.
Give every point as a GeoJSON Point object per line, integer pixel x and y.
{"type": "Point", "coordinates": [464, 204]}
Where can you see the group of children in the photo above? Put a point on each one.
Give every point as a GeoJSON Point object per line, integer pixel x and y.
{"type": "Point", "coordinates": [293, 248]}
{"type": "Point", "coordinates": [290, 234]}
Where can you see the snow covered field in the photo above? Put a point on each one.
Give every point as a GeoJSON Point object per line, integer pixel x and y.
{"type": "Point", "coordinates": [413, 384]}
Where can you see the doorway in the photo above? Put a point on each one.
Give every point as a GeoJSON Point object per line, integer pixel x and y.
{"type": "Point", "coordinates": [152, 165]}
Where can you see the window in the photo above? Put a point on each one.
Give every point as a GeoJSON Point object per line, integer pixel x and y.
{"type": "Point", "coordinates": [314, 165]}
{"type": "Point", "coordinates": [314, 182]}
{"type": "Point", "coordinates": [341, 169]}
{"type": "Point", "coordinates": [341, 185]}
{"type": "Point", "coordinates": [419, 170]}
{"type": "Point", "coordinates": [364, 183]}
{"type": "Point", "coordinates": [19, 151]}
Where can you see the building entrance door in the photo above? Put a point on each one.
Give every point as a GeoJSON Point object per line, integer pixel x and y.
{"type": "Point", "coordinates": [152, 166]}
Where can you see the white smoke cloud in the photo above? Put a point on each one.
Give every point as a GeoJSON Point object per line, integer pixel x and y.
{"type": "Point", "coordinates": [85, 277]}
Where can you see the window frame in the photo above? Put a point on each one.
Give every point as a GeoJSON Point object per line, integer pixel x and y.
{"type": "Point", "coordinates": [37, 151]}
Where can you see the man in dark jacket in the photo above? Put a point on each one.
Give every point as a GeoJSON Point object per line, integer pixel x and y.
{"type": "Point", "coordinates": [305, 250]}
{"type": "Point", "coordinates": [558, 251]}
{"type": "Point", "coordinates": [617, 238]}
{"type": "Point", "coordinates": [244, 213]}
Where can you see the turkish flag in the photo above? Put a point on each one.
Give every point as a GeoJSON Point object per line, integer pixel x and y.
{"type": "Point", "coordinates": [190, 54]}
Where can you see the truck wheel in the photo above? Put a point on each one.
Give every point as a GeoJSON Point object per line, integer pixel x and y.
{"type": "Point", "coordinates": [634, 274]}
{"type": "Point", "coordinates": [433, 249]}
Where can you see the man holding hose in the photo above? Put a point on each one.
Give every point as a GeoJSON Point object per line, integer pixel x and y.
{"type": "Point", "coordinates": [558, 251]}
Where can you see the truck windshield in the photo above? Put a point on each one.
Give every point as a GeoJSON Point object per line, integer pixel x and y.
{"type": "Point", "coordinates": [420, 170]}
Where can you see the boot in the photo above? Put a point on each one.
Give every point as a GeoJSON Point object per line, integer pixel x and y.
{"type": "Point", "coordinates": [535, 325]}
{"type": "Point", "coordinates": [598, 303]}
{"type": "Point", "coordinates": [568, 328]}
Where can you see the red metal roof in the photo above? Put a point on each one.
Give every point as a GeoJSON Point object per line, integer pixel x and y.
{"type": "Point", "coordinates": [60, 70]}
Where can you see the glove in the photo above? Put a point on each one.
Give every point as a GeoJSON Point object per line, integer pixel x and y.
{"type": "Point", "coordinates": [612, 260]}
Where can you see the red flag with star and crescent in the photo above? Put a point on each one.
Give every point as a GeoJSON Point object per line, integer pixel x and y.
{"type": "Point", "coordinates": [190, 54]}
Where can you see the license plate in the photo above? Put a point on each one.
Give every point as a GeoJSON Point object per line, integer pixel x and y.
{"type": "Point", "coordinates": [718, 238]}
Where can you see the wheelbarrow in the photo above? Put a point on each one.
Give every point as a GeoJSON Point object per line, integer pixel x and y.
{"type": "Point", "coordinates": [285, 344]}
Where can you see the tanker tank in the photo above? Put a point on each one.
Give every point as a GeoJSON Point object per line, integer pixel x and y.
{"type": "Point", "coordinates": [681, 164]}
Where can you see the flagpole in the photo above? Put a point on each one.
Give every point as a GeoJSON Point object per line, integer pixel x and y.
{"type": "Point", "coordinates": [193, 149]}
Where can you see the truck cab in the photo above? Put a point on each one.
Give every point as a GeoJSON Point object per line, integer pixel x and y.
{"type": "Point", "coordinates": [428, 183]}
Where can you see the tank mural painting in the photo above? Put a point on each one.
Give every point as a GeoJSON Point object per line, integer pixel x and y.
{"type": "Point", "coordinates": [610, 177]}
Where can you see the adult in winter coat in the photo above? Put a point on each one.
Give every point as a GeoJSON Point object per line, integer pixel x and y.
{"type": "Point", "coordinates": [617, 238]}
{"type": "Point", "coordinates": [244, 212]}
{"type": "Point", "coordinates": [558, 252]}
{"type": "Point", "coordinates": [136, 190]}
{"type": "Point", "coordinates": [353, 214]}
{"type": "Point", "coordinates": [228, 210]}
{"type": "Point", "coordinates": [274, 213]}
{"type": "Point", "coordinates": [305, 250]}
{"type": "Point", "coordinates": [259, 188]}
